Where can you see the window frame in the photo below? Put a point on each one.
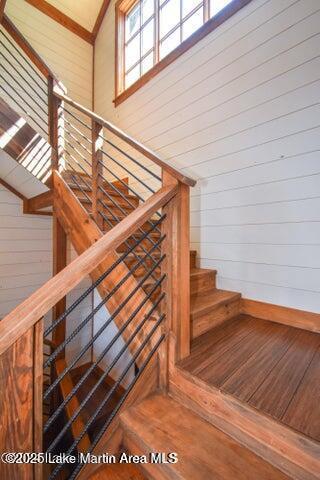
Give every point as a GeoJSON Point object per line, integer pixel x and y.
{"type": "Point", "coordinates": [122, 7]}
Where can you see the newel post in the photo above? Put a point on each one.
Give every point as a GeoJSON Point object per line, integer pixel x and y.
{"type": "Point", "coordinates": [97, 178]}
{"type": "Point", "coordinates": [176, 226]}
{"type": "Point", "coordinates": [55, 125]}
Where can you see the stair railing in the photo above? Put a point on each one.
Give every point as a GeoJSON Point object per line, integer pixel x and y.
{"type": "Point", "coordinates": [68, 426]}
{"type": "Point", "coordinates": [143, 205]}
{"type": "Point", "coordinates": [26, 85]}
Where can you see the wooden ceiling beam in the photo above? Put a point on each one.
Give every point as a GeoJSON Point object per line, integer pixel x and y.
{"type": "Point", "coordinates": [103, 11]}
{"type": "Point", "coordinates": [62, 19]}
{"type": "Point", "coordinates": [2, 6]}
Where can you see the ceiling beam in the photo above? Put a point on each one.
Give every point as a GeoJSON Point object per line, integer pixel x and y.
{"type": "Point", "coordinates": [63, 19]}
{"type": "Point", "coordinates": [2, 5]}
{"type": "Point", "coordinates": [103, 11]}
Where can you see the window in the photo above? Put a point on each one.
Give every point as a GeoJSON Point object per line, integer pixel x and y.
{"type": "Point", "coordinates": [148, 31]}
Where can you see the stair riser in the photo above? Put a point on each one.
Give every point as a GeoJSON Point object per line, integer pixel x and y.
{"type": "Point", "coordinates": [206, 321]}
{"type": "Point", "coordinates": [203, 282]}
{"type": "Point", "coordinates": [284, 448]}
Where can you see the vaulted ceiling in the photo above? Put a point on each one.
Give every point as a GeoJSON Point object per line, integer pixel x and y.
{"type": "Point", "coordinates": [82, 17]}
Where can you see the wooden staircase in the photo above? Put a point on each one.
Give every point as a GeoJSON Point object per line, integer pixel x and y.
{"type": "Point", "coordinates": [233, 396]}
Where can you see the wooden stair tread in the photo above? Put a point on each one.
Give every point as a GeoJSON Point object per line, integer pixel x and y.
{"type": "Point", "coordinates": [194, 272]}
{"type": "Point", "coordinates": [210, 299]}
{"type": "Point", "coordinates": [118, 471]}
{"type": "Point", "coordinates": [160, 424]}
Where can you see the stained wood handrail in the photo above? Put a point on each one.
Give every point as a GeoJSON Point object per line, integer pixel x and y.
{"type": "Point", "coordinates": [30, 51]}
{"type": "Point", "coordinates": [25, 315]}
{"type": "Point", "coordinates": [129, 140]}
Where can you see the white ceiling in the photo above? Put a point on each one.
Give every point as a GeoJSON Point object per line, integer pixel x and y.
{"type": "Point", "coordinates": [84, 12]}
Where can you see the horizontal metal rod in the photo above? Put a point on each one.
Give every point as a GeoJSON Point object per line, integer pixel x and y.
{"type": "Point", "coordinates": [113, 389]}
{"type": "Point", "coordinates": [119, 404]}
{"type": "Point", "coordinates": [93, 339]}
{"type": "Point", "coordinates": [26, 70]}
{"type": "Point", "coordinates": [21, 107]}
{"type": "Point", "coordinates": [44, 80]}
{"type": "Point", "coordinates": [146, 169]}
{"type": "Point", "coordinates": [99, 382]}
{"type": "Point", "coordinates": [96, 283]}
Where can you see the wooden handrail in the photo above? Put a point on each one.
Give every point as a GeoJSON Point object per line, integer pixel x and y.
{"type": "Point", "coordinates": [131, 141]}
{"type": "Point", "coordinates": [30, 51]}
{"type": "Point", "coordinates": [25, 315]}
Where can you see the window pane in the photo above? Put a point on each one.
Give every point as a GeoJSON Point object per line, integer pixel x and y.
{"type": "Point", "coordinates": [217, 5]}
{"type": "Point", "coordinates": [132, 53]}
{"type": "Point", "coordinates": [132, 76]}
{"type": "Point", "coordinates": [133, 21]}
{"type": "Point", "coordinates": [147, 63]}
{"type": "Point", "coordinates": [192, 24]}
{"type": "Point", "coordinates": [147, 37]}
{"type": "Point", "coordinates": [169, 16]}
{"type": "Point", "coordinates": [189, 5]}
{"type": "Point", "coordinates": [170, 43]}
{"type": "Point", "coordinates": [147, 9]}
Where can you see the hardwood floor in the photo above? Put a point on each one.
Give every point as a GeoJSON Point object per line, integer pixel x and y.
{"type": "Point", "coordinates": [272, 367]}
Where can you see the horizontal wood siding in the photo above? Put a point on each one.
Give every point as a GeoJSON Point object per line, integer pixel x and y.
{"type": "Point", "coordinates": [240, 112]}
{"type": "Point", "coordinates": [69, 56]}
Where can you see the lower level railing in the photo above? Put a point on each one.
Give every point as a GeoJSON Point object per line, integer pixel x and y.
{"type": "Point", "coordinates": [67, 376]}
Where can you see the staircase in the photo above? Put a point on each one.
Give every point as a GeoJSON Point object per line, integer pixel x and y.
{"type": "Point", "coordinates": [164, 361]}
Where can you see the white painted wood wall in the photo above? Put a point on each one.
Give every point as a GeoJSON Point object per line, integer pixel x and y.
{"type": "Point", "coordinates": [240, 112]}
{"type": "Point", "coordinates": [68, 55]}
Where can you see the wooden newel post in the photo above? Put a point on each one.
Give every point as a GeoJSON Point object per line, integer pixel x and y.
{"type": "Point", "coordinates": [55, 125]}
{"type": "Point", "coordinates": [176, 226]}
{"type": "Point", "coordinates": [97, 179]}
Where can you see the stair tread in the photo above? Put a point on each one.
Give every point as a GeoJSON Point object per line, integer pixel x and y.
{"type": "Point", "coordinates": [203, 451]}
{"type": "Point", "coordinates": [210, 299]}
{"type": "Point", "coordinates": [194, 272]}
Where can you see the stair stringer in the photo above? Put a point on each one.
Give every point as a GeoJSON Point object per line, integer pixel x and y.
{"type": "Point", "coordinates": [83, 232]}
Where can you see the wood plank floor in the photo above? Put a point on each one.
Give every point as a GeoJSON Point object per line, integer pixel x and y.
{"type": "Point", "coordinates": [272, 367]}
{"type": "Point", "coordinates": [118, 472]}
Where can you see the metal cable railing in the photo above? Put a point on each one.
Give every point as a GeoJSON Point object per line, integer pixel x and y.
{"type": "Point", "coordinates": [141, 337]}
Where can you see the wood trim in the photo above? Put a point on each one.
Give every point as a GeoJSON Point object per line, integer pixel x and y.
{"type": "Point", "coordinates": [286, 315]}
{"type": "Point", "coordinates": [43, 200]}
{"type": "Point", "coordinates": [19, 320]}
{"type": "Point", "coordinates": [27, 48]}
{"type": "Point", "coordinates": [12, 190]}
{"type": "Point", "coordinates": [129, 140]}
{"type": "Point", "coordinates": [2, 7]}
{"type": "Point", "coordinates": [207, 28]}
{"type": "Point", "coordinates": [101, 15]}
{"type": "Point", "coordinates": [293, 453]}
{"type": "Point", "coordinates": [38, 394]}
{"type": "Point", "coordinates": [16, 405]}
{"type": "Point", "coordinates": [62, 19]}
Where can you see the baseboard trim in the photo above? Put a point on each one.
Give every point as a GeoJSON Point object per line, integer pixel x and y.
{"type": "Point", "coordinates": [286, 315]}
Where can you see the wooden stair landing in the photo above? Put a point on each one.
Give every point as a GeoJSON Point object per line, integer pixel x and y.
{"type": "Point", "coordinates": [272, 367]}
{"type": "Point", "coordinates": [159, 424]}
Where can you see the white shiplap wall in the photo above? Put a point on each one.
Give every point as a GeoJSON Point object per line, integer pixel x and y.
{"type": "Point", "coordinates": [240, 112]}
{"type": "Point", "coordinates": [25, 240]}
{"type": "Point", "coordinates": [68, 55]}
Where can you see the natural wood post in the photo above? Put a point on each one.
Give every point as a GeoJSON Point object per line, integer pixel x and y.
{"type": "Point", "coordinates": [55, 125]}
{"type": "Point", "coordinates": [97, 179]}
{"type": "Point", "coordinates": [2, 7]}
{"type": "Point", "coordinates": [38, 394]}
{"type": "Point", "coordinates": [59, 263]}
{"type": "Point", "coordinates": [177, 265]}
